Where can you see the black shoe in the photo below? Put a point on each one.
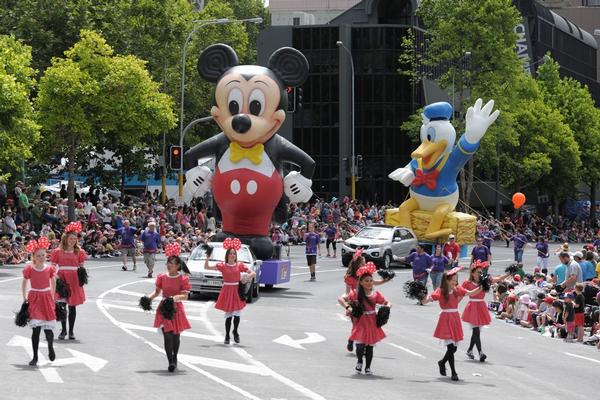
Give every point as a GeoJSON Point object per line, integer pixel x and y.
{"type": "Point", "coordinates": [482, 357]}
{"type": "Point", "coordinates": [454, 377]}
{"type": "Point", "coordinates": [175, 361]}
{"type": "Point", "coordinates": [171, 367]}
{"type": "Point", "coordinates": [62, 335]}
{"type": "Point", "coordinates": [236, 337]}
{"type": "Point", "coordinates": [124, 268]}
{"type": "Point", "coordinates": [51, 354]}
{"type": "Point", "coordinates": [358, 367]}
{"type": "Point", "coordinates": [442, 366]}
{"type": "Point", "coordinates": [71, 336]}
{"type": "Point", "coordinates": [350, 346]}
{"type": "Point", "coordinates": [33, 362]}
{"type": "Point", "coordinates": [226, 341]}
{"type": "Point", "coordinates": [149, 275]}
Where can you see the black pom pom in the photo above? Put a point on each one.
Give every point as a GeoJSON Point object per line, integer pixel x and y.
{"type": "Point", "coordinates": [146, 303]}
{"type": "Point", "coordinates": [208, 249]}
{"type": "Point", "coordinates": [82, 275]}
{"type": "Point", "coordinates": [357, 309]}
{"type": "Point", "coordinates": [383, 315]}
{"type": "Point", "coordinates": [290, 66]}
{"type": "Point", "coordinates": [61, 311]}
{"type": "Point", "coordinates": [22, 317]}
{"type": "Point", "coordinates": [386, 274]}
{"type": "Point", "coordinates": [167, 308]}
{"type": "Point", "coordinates": [62, 289]}
{"type": "Point", "coordinates": [485, 281]}
{"type": "Point", "coordinates": [512, 269]}
{"type": "Point", "coordinates": [242, 291]}
{"type": "Point", "coordinates": [415, 290]}
{"type": "Point", "coordinates": [215, 60]}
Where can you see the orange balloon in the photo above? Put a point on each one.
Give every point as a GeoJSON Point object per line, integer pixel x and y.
{"type": "Point", "coordinates": [518, 199]}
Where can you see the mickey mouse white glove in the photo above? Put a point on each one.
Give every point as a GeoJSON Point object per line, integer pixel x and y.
{"type": "Point", "coordinates": [478, 120]}
{"type": "Point", "coordinates": [198, 182]}
{"type": "Point", "coordinates": [403, 175]}
{"type": "Point", "coordinates": [297, 187]}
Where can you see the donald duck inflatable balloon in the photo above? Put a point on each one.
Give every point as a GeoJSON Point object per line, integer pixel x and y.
{"type": "Point", "coordinates": [431, 174]}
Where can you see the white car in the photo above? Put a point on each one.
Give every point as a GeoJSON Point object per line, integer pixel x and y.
{"type": "Point", "coordinates": [211, 281]}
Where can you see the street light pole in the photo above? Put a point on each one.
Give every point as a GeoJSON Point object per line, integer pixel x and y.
{"type": "Point", "coordinates": [341, 45]}
{"type": "Point", "coordinates": [201, 23]}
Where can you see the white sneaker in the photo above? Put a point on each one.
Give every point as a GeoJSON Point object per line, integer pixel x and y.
{"type": "Point", "coordinates": [358, 367]}
{"type": "Point", "coordinates": [368, 371]}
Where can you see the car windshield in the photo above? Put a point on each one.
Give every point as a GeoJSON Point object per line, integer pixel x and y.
{"type": "Point", "coordinates": [218, 254]}
{"type": "Point", "coordinates": [375, 233]}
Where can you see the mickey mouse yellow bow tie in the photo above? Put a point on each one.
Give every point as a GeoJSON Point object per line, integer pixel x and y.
{"type": "Point", "coordinates": [254, 153]}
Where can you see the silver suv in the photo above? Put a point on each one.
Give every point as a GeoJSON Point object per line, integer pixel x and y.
{"type": "Point", "coordinates": [380, 243]}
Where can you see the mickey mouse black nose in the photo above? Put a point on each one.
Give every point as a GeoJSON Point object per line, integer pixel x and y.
{"type": "Point", "coordinates": [241, 123]}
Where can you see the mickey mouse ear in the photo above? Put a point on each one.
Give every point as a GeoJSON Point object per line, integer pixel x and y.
{"type": "Point", "coordinates": [290, 65]}
{"type": "Point", "coordinates": [215, 60]}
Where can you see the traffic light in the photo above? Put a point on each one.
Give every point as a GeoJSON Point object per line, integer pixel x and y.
{"type": "Point", "coordinates": [291, 94]}
{"type": "Point", "coordinates": [298, 98]}
{"type": "Point", "coordinates": [175, 159]}
{"type": "Point", "coordinates": [360, 167]}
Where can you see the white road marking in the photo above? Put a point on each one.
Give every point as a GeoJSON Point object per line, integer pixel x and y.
{"type": "Point", "coordinates": [582, 357]}
{"type": "Point", "coordinates": [194, 335]}
{"type": "Point", "coordinates": [46, 367]}
{"type": "Point", "coordinates": [253, 364]}
{"type": "Point", "coordinates": [218, 363]}
{"type": "Point", "coordinates": [311, 338]}
{"type": "Point", "coordinates": [407, 350]}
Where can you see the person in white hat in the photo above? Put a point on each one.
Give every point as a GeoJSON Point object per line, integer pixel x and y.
{"type": "Point", "coordinates": [452, 251]}
{"type": "Point", "coordinates": [151, 240]}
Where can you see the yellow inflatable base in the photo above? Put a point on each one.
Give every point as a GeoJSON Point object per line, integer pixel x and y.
{"type": "Point", "coordinates": [462, 225]}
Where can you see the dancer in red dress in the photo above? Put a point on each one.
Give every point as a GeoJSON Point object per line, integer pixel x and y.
{"type": "Point", "coordinates": [175, 285]}
{"type": "Point", "coordinates": [67, 259]}
{"type": "Point", "coordinates": [229, 299]}
{"type": "Point", "coordinates": [365, 331]}
{"type": "Point", "coordinates": [351, 281]}
{"type": "Point", "coordinates": [449, 328]}
{"type": "Point", "coordinates": [476, 312]}
{"type": "Point", "coordinates": [40, 297]}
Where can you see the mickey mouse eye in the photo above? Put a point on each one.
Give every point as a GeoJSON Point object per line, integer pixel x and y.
{"type": "Point", "coordinates": [235, 101]}
{"type": "Point", "coordinates": [257, 102]}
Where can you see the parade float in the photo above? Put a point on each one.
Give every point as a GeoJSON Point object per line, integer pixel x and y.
{"type": "Point", "coordinates": [432, 172]}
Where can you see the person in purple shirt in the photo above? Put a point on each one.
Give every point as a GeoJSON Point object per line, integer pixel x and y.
{"type": "Point", "coordinates": [420, 263]}
{"type": "Point", "coordinates": [542, 252]}
{"type": "Point", "coordinates": [439, 263]}
{"type": "Point", "coordinates": [487, 239]}
{"type": "Point", "coordinates": [151, 239]}
{"type": "Point", "coordinates": [330, 233]}
{"type": "Point", "coordinates": [127, 234]}
{"type": "Point", "coordinates": [312, 241]}
{"type": "Point", "coordinates": [481, 253]}
{"type": "Point", "coordinates": [520, 241]}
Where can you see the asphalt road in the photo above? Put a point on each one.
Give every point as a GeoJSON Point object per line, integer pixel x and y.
{"type": "Point", "coordinates": [293, 347]}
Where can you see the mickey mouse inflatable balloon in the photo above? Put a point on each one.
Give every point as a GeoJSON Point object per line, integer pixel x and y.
{"type": "Point", "coordinates": [247, 183]}
{"type": "Point", "coordinates": [431, 175]}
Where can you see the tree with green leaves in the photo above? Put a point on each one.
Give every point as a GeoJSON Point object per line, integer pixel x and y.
{"type": "Point", "coordinates": [93, 98]}
{"type": "Point", "coordinates": [18, 128]}
{"type": "Point", "coordinates": [574, 101]}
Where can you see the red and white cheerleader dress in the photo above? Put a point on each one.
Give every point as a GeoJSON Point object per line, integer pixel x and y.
{"type": "Point", "coordinates": [365, 329]}
{"type": "Point", "coordinates": [173, 286]}
{"type": "Point", "coordinates": [40, 298]}
{"type": "Point", "coordinates": [351, 282]}
{"type": "Point", "coordinates": [229, 300]}
{"type": "Point", "coordinates": [476, 312]}
{"type": "Point", "coordinates": [67, 263]}
{"type": "Point", "coordinates": [449, 327]}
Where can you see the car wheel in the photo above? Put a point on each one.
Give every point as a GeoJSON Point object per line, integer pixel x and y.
{"type": "Point", "coordinates": [269, 286]}
{"type": "Point", "coordinates": [255, 288]}
{"type": "Point", "coordinates": [387, 260]}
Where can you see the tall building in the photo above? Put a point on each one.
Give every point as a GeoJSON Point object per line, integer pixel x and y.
{"type": "Point", "coordinates": [307, 12]}
{"type": "Point", "coordinates": [383, 99]}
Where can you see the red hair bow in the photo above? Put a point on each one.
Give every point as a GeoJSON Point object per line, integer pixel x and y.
{"type": "Point", "coordinates": [172, 249]}
{"type": "Point", "coordinates": [73, 227]}
{"type": "Point", "coordinates": [232, 243]}
{"type": "Point", "coordinates": [369, 269]}
{"type": "Point", "coordinates": [33, 245]}
{"type": "Point", "coordinates": [357, 254]}
{"type": "Point", "coordinates": [479, 264]}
